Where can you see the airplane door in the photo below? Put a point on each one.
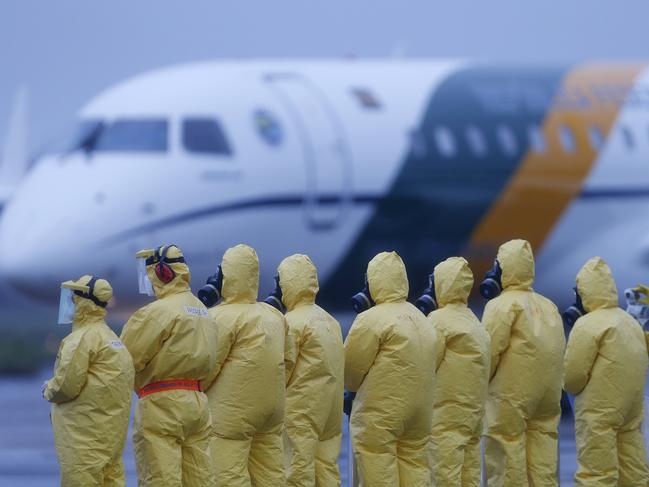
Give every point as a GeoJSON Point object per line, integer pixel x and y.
{"type": "Point", "coordinates": [328, 165]}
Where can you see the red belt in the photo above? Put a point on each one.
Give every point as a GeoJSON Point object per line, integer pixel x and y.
{"type": "Point", "coordinates": [169, 385]}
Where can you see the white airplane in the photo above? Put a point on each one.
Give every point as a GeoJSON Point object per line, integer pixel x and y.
{"type": "Point", "coordinates": [341, 160]}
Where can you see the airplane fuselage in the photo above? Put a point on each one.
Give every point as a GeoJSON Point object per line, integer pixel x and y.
{"type": "Point", "coordinates": [342, 160]}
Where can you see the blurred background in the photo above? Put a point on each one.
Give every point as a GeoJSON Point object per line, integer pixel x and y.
{"type": "Point", "coordinates": [57, 56]}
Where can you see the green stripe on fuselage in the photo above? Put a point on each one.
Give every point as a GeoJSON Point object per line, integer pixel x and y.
{"type": "Point", "coordinates": [436, 201]}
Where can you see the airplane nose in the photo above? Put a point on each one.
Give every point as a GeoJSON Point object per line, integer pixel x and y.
{"type": "Point", "coordinates": [28, 263]}
{"type": "Point", "coordinates": [52, 230]}
{"type": "Point", "coordinates": [33, 241]}
{"type": "Point", "coordinates": [22, 277]}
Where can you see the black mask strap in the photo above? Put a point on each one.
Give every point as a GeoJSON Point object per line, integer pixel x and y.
{"type": "Point", "coordinates": [91, 294]}
{"type": "Point", "coordinates": [162, 257]}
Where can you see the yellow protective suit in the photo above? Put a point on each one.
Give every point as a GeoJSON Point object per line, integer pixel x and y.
{"type": "Point", "coordinates": [606, 367]}
{"type": "Point", "coordinates": [91, 395]}
{"type": "Point", "coordinates": [461, 380]}
{"type": "Point", "coordinates": [246, 388]}
{"type": "Point", "coordinates": [391, 353]}
{"type": "Point", "coordinates": [523, 404]}
{"type": "Point", "coordinates": [314, 389]}
{"type": "Point", "coordinates": [172, 338]}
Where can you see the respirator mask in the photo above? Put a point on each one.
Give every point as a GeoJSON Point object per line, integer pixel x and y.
{"type": "Point", "coordinates": [492, 285]}
{"type": "Point", "coordinates": [210, 293]}
{"type": "Point", "coordinates": [575, 311]}
{"type": "Point", "coordinates": [427, 302]}
{"type": "Point", "coordinates": [362, 301]}
{"type": "Point", "coordinates": [275, 298]}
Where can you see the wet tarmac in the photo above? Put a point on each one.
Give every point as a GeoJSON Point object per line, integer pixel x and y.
{"type": "Point", "coordinates": [28, 459]}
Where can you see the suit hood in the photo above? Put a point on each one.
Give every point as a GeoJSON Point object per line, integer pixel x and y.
{"type": "Point", "coordinates": [240, 268]}
{"type": "Point", "coordinates": [517, 263]}
{"type": "Point", "coordinates": [453, 281]}
{"type": "Point", "coordinates": [298, 279]}
{"type": "Point", "coordinates": [596, 285]}
{"type": "Point", "coordinates": [85, 310]}
{"type": "Point", "coordinates": [179, 283]}
{"type": "Point", "coordinates": [387, 278]}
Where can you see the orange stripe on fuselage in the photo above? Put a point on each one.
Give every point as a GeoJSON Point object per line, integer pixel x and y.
{"type": "Point", "coordinates": [546, 182]}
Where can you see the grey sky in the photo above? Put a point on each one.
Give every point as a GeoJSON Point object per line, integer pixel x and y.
{"type": "Point", "coordinates": [65, 51]}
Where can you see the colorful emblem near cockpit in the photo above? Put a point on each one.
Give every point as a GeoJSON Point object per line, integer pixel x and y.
{"type": "Point", "coordinates": [268, 127]}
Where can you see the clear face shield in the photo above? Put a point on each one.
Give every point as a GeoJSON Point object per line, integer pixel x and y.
{"type": "Point", "coordinates": [67, 308]}
{"type": "Point", "coordinates": [143, 280]}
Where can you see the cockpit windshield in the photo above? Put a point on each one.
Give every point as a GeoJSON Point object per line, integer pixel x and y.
{"type": "Point", "coordinates": [82, 136]}
{"type": "Point", "coordinates": [120, 135]}
{"type": "Point", "coordinates": [148, 135]}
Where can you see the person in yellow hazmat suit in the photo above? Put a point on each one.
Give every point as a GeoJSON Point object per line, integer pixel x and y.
{"type": "Point", "coordinates": [171, 341]}
{"type": "Point", "coordinates": [246, 387]}
{"type": "Point", "coordinates": [606, 368]}
{"type": "Point", "coordinates": [462, 376]}
{"type": "Point", "coordinates": [391, 353]}
{"type": "Point", "coordinates": [314, 384]}
{"type": "Point", "coordinates": [91, 389]}
{"type": "Point", "coordinates": [527, 345]}
{"type": "Point", "coordinates": [639, 307]}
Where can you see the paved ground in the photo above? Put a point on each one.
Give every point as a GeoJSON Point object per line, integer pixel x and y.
{"type": "Point", "coordinates": [27, 457]}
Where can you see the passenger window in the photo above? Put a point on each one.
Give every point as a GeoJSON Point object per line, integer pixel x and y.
{"type": "Point", "coordinates": [134, 135]}
{"type": "Point", "coordinates": [507, 140]}
{"type": "Point", "coordinates": [204, 136]}
{"type": "Point", "coordinates": [595, 136]}
{"type": "Point", "coordinates": [445, 141]}
{"type": "Point", "coordinates": [627, 138]}
{"type": "Point", "coordinates": [536, 139]}
{"type": "Point", "coordinates": [567, 139]}
{"type": "Point", "coordinates": [476, 140]}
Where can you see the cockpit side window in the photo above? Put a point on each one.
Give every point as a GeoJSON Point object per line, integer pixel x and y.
{"type": "Point", "coordinates": [134, 135]}
{"type": "Point", "coordinates": [82, 137]}
{"type": "Point", "coordinates": [204, 135]}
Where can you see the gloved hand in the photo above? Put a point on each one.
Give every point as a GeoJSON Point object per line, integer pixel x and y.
{"type": "Point", "coordinates": [43, 387]}
{"type": "Point", "coordinates": [348, 399]}
{"type": "Point", "coordinates": [644, 292]}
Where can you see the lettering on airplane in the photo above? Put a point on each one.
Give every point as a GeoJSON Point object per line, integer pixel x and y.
{"type": "Point", "coordinates": [515, 97]}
